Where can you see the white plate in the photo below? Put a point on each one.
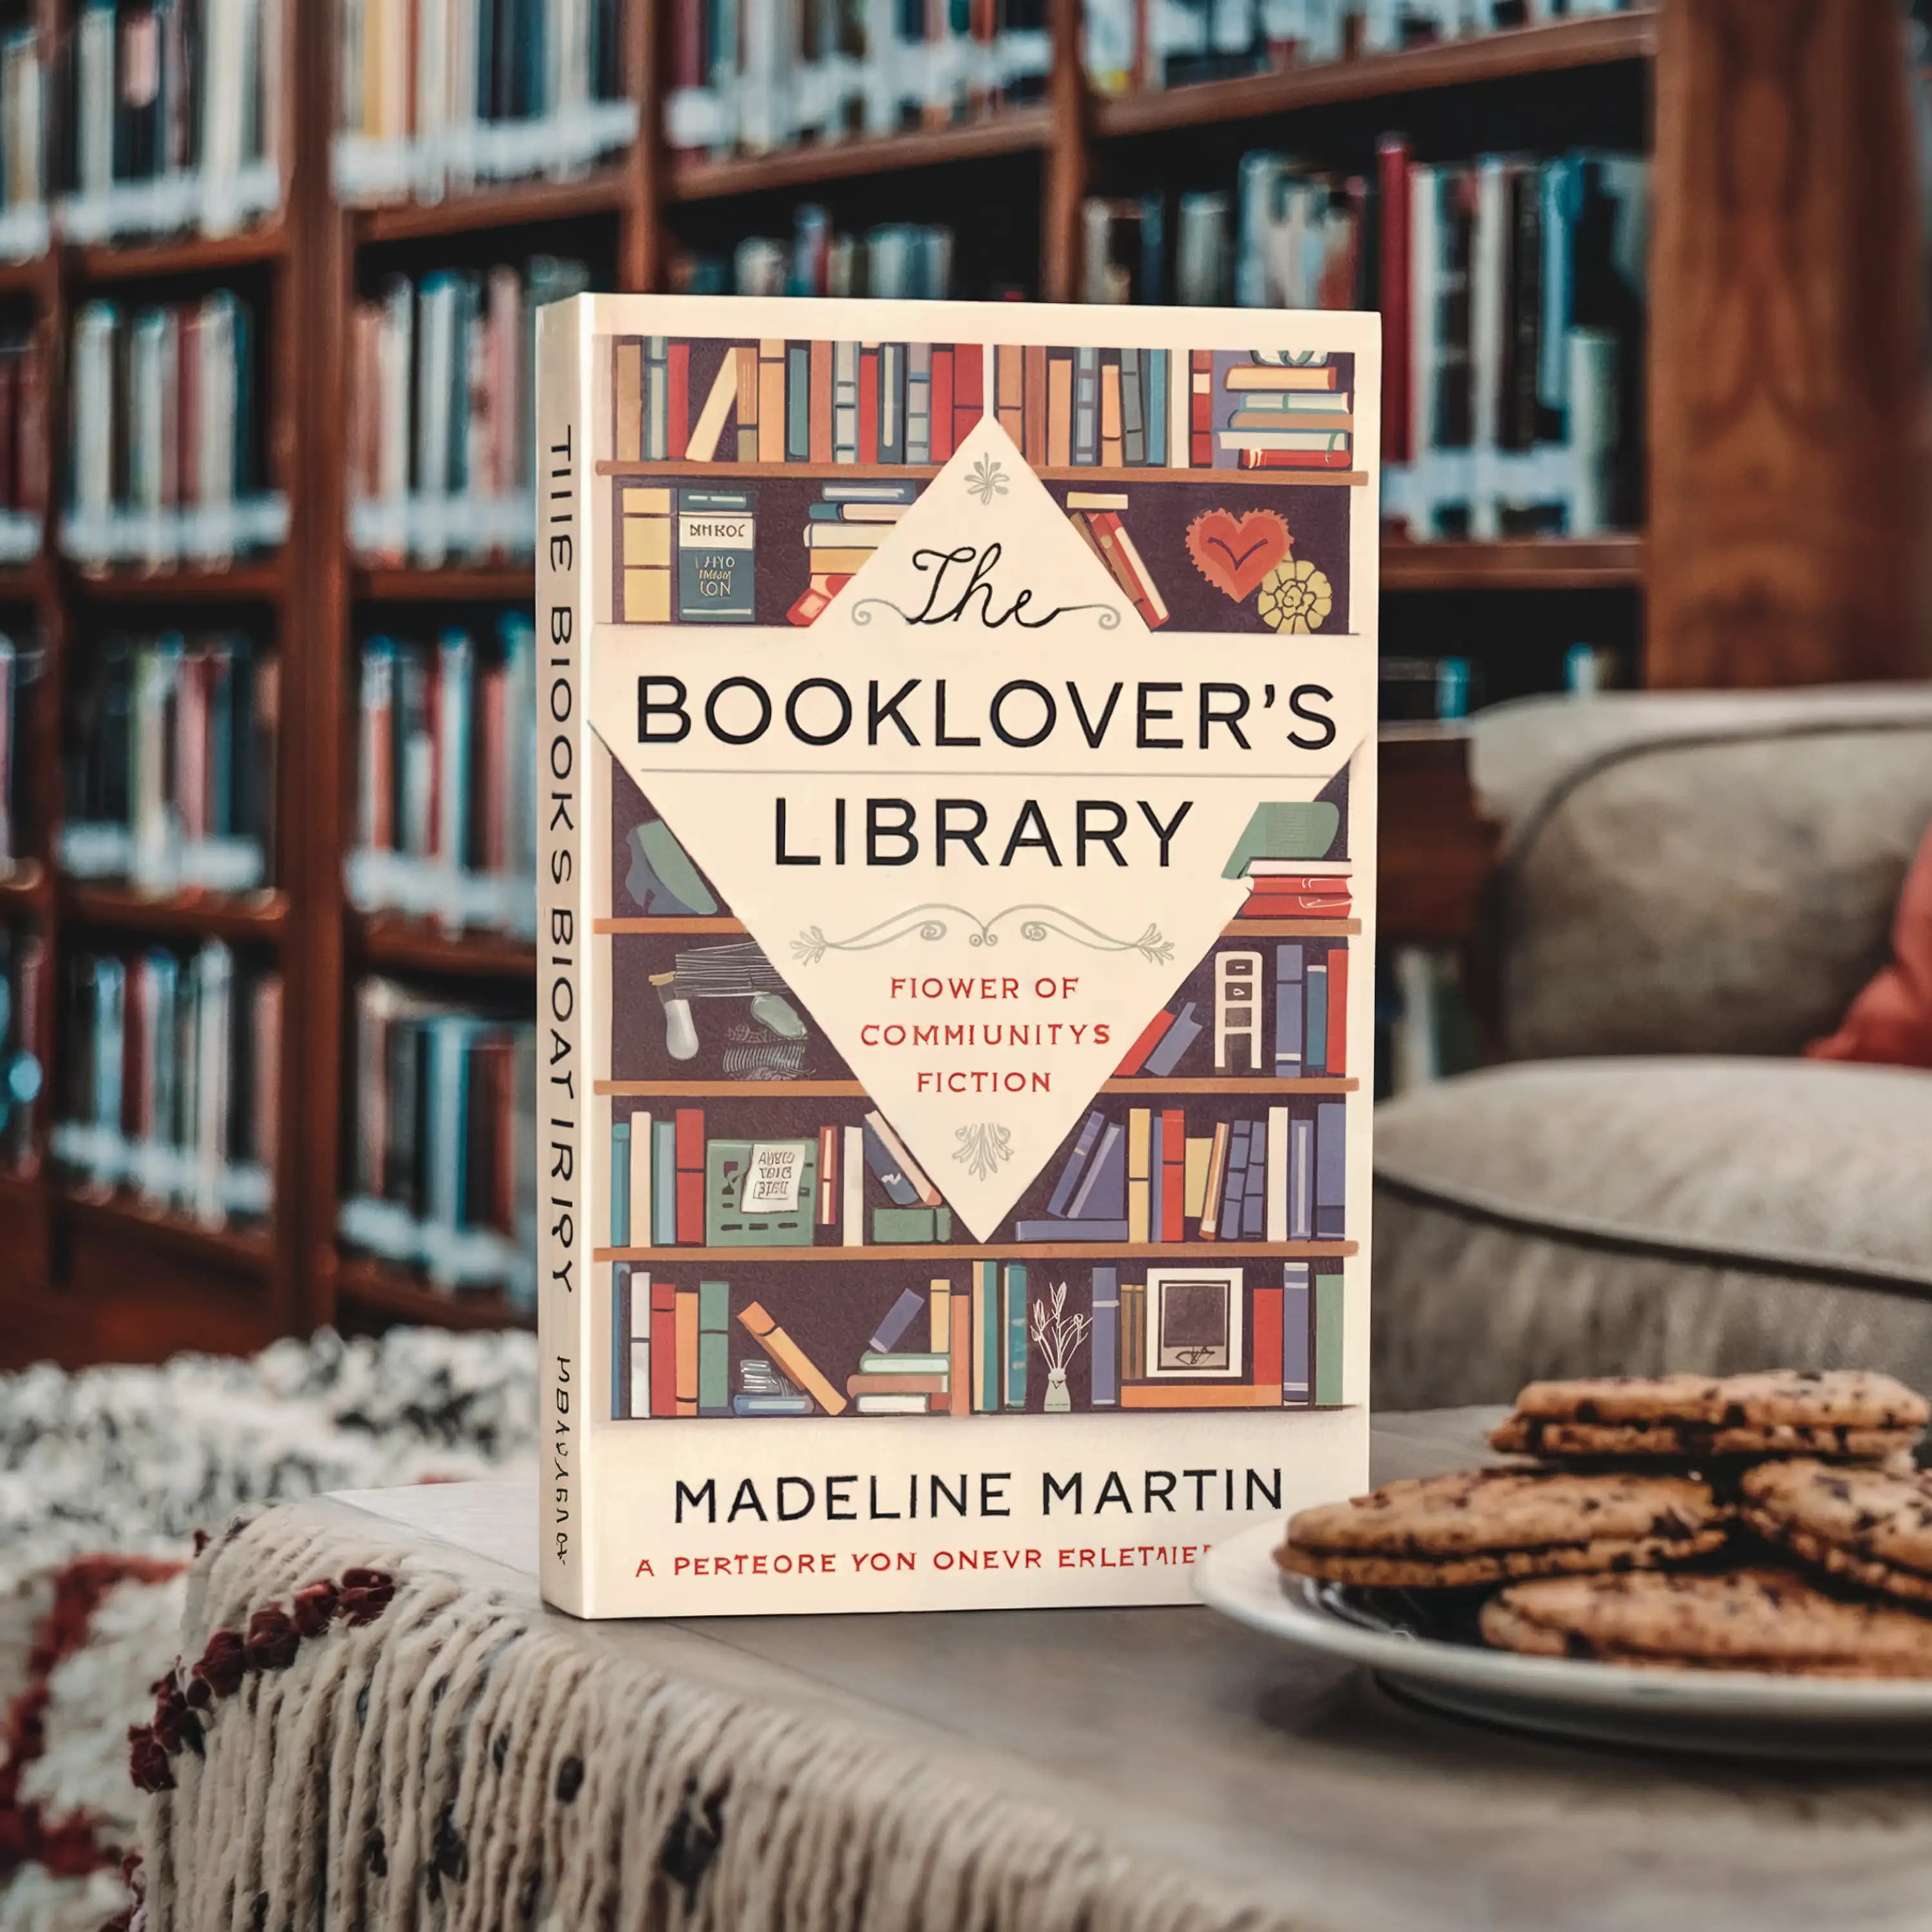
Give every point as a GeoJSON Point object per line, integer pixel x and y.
{"type": "Point", "coordinates": [1748, 1712]}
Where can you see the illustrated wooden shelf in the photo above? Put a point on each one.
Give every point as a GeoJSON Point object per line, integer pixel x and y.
{"type": "Point", "coordinates": [251, 583]}
{"type": "Point", "coordinates": [256, 917]}
{"type": "Point", "coordinates": [853, 1090]}
{"type": "Point", "coordinates": [1516, 563]}
{"type": "Point", "coordinates": [365, 1285]}
{"type": "Point", "coordinates": [238, 1250]}
{"type": "Point", "coordinates": [458, 583]}
{"type": "Point", "coordinates": [512, 205]}
{"type": "Point", "coordinates": [184, 255]}
{"type": "Point", "coordinates": [411, 945]}
{"type": "Point", "coordinates": [1016, 130]}
{"type": "Point", "coordinates": [1252, 928]}
{"type": "Point", "coordinates": [26, 583]}
{"type": "Point", "coordinates": [1010, 1251]}
{"type": "Point", "coordinates": [1507, 55]}
{"type": "Point", "coordinates": [1121, 479]}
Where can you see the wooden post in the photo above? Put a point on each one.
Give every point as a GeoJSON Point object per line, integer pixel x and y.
{"type": "Point", "coordinates": [1066, 159]}
{"type": "Point", "coordinates": [1784, 364]}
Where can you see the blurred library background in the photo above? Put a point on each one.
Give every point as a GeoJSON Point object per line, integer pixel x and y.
{"type": "Point", "coordinates": [1652, 280]}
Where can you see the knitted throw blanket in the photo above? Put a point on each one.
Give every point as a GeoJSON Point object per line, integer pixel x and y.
{"type": "Point", "coordinates": [358, 1739]}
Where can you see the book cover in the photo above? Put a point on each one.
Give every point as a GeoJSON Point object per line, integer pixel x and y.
{"type": "Point", "coordinates": [959, 1100]}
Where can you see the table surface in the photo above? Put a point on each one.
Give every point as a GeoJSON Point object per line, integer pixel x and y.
{"type": "Point", "coordinates": [1289, 1777]}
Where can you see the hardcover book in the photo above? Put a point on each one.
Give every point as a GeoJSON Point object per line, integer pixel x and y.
{"type": "Point", "coordinates": [957, 768]}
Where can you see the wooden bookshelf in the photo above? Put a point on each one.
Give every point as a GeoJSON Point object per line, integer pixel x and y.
{"type": "Point", "coordinates": [366, 1289]}
{"type": "Point", "coordinates": [1515, 54]}
{"type": "Point", "coordinates": [1779, 548]}
{"type": "Point", "coordinates": [1520, 563]}
{"type": "Point", "coordinates": [103, 266]}
{"type": "Point", "coordinates": [899, 471]}
{"type": "Point", "coordinates": [459, 584]}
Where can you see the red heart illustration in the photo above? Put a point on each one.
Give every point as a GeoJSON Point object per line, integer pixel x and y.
{"type": "Point", "coordinates": [1235, 557]}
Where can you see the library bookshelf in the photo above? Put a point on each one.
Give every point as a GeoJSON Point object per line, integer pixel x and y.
{"type": "Point", "coordinates": [1779, 547]}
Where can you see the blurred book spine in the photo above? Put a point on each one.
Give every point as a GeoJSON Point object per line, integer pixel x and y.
{"type": "Point", "coordinates": [444, 1168]}
{"type": "Point", "coordinates": [25, 230]}
{"type": "Point", "coordinates": [23, 971]}
{"type": "Point", "coordinates": [171, 1080]}
{"type": "Point", "coordinates": [445, 796]}
{"type": "Point", "coordinates": [23, 446]}
{"type": "Point", "coordinates": [177, 114]}
{"type": "Point", "coordinates": [441, 427]}
{"type": "Point", "coordinates": [443, 96]}
{"type": "Point", "coordinates": [169, 763]}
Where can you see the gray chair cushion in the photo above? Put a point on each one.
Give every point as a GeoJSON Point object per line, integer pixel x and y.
{"type": "Point", "coordinates": [1699, 872]}
{"type": "Point", "coordinates": [1590, 1216]}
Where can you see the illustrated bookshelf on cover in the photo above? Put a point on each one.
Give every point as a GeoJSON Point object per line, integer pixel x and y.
{"type": "Point", "coordinates": [966, 990]}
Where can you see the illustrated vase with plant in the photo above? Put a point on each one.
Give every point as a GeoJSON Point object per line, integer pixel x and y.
{"type": "Point", "coordinates": [1058, 1336]}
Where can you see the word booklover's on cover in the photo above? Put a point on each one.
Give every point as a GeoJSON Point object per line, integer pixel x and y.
{"type": "Point", "coordinates": [956, 731]}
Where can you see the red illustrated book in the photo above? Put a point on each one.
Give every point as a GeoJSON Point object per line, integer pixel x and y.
{"type": "Point", "coordinates": [869, 403]}
{"type": "Point", "coordinates": [1136, 1058]}
{"type": "Point", "coordinates": [1296, 459]}
{"type": "Point", "coordinates": [677, 400]}
{"type": "Point", "coordinates": [664, 1349]}
{"type": "Point", "coordinates": [1392, 181]}
{"type": "Point", "coordinates": [942, 401]}
{"type": "Point", "coordinates": [690, 1145]}
{"type": "Point", "coordinates": [1338, 1010]}
{"type": "Point", "coordinates": [1173, 1174]}
{"type": "Point", "coordinates": [969, 389]}
{"type": "Point", "coordinates": [1201, 409]}
{"type": "Point", "coordinates": [1264, 1328]}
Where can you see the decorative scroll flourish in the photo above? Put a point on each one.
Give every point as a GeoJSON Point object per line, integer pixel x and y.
{"type": "Point", "coordinates": [982, 1147]}
{"type": "Point", "coordinates": [930, 923]}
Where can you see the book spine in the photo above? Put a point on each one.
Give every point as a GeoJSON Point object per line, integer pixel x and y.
{"type": "Point", "coordinates": [1014, 1293]}
{"type": "Point", "coordinates": [1104, 1356]}
{"type": "Point", "coordinates": [569, 1206]}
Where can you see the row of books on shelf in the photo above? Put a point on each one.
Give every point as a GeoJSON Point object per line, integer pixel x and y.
{"type": "Point", "coordinates": [164, 436]}
{"type": "Point", "coordinates": [24, 226]}
{"type": "Point", "coordinates": [169, 762]}
{"type": "Point", "coordinates": [992, 1338]}
{"type": "Point", "coordinates": [175, 117]}
{"type": "Point", "coordinates": [440, 96]}
{"type": "Point", "coordinates": [754, 75]}
{"type": "Point", "coordinates": [1511, 292]}
{"type": "Point", "coordinates": [445, 806]}
{"type": "Point", "coordinates": [1134, 1176]}
{"type": "Point", "coordinates": [23, 446]}
{"type": "Point", "coordinates": [172, 1084]}
{"type": "Point", "coordinates": [442, 436]}
{"type": "Point", "coordinates": [827, 402]}
{"type": "Point", "coordinates": [23, 972]}
{"type": "Point", "coordinates": [897, 261]}
{"type": "Point", "coordinates": [1143, 48]}
{"type": "Point", "coordinates": [444, 1170]}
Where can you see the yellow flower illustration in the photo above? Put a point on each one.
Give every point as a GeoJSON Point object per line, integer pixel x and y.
{"type": "Point", "coordinates": [1295, 597]}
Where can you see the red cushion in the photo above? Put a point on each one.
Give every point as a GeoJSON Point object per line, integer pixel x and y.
{"type": "Point", "coordinates": [1891, 1021]}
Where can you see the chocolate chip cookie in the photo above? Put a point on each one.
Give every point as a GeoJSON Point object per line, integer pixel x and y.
{"type": "Point", "coordinates": [1848, 1413]}
{"type": "Point", "coordinates": [1755, 1619]}
{"type": "Point", "coordinates": [1488, 1525]}
{"type": "Point", "coordinates": [1872, 1526]}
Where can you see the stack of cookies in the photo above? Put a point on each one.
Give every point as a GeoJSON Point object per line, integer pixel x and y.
{"type": "Point", "coordinates": [1771, 1522]}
